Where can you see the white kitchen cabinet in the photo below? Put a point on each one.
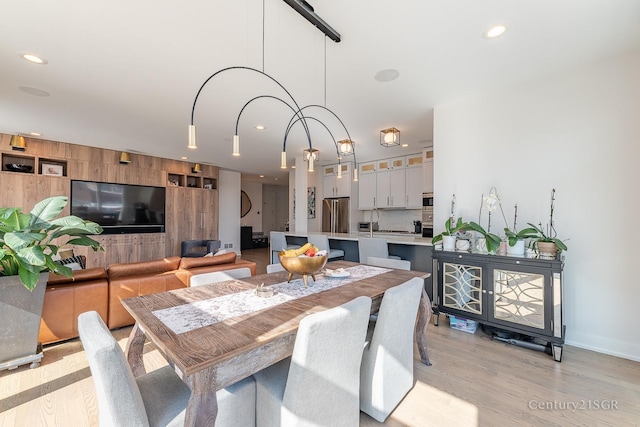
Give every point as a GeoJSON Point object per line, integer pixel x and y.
{"type": "Point", "coordinates": [334, 186]}
{"type": "Point", "coordinates": [427, 170]}
{"type": "Point", "coordinates": [415, 182]}
{"type": "Point", "coordinates": [367, 185]}
{"type": "Point", "coordinates": [414, 187]}
{"type": "Point", "coordinates": [391, 183]}
{"type": "Point", "coordinates": [367, 191]}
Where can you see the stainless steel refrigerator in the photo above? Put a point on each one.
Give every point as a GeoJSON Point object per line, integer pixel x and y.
{"type": "Point", "coordinates": [335, 215]}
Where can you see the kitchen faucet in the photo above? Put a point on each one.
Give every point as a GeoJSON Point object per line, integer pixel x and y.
{"type": "Point", "coordinates": [371, 221]}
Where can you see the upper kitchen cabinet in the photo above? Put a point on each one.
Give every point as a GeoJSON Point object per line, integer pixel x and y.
{"type": "Point", "coordinates": [391, 183]}
{"type": "Point", "coordinates": [427, 170]}
{"type": "Point", "coordinates": [414, 181]}
{"type": "Point", "coordinates": [367, 186]}
{"type": "Point", "coordinates": [334, 184]}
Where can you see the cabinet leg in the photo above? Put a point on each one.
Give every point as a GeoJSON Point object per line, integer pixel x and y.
{"type": "Point", "coordinates": [436, 319]}
{"type": "Point", "coordinates": [557, 352]}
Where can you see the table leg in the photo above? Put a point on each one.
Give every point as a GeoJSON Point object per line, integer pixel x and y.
{"type": "Point", "coordinates": [135, 349]}
{"type": "Point", "coordinates": [202, 408]}
{"type": "Point", "coordinates": [424, 314]}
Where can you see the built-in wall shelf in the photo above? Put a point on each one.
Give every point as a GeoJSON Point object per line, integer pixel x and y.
{"type": "Point", "coordinates": [210, 183]}
{"type": "Point", "coordinates": [194, 181]}
{"type": "Point", "coordinates": [52, 167]}
{"type": "Point", "coordinates": [175, 180]}
{"type": "Point", "coordinates": [191, 181]}
{"type": "Point", "coordinates": [31, 165]}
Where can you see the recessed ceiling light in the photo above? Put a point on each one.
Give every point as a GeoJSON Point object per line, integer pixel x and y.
{"type": "Point", "coordinates": [404, 145]}
{"type": "Point", "coordinates": [495, 31]}
{"type": "Point", "coordinates": [261, 176]}
{"type": "Point", "coordinates": [260, 127]}
{"type": "Point", "coordinates": [33, 58]}
{"type": "Point", "coordinates": [35, 134]}
{"type": "Point", "coordinates": [387, 75]}
{"type": "Point", "coordinates": [184, 158]}
{"type": "Point", "coordinates": [34, 91]}
{"type": "Point", "coordinates": [293, 166]}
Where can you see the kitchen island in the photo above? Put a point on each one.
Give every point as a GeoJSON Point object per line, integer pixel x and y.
{"type": "Point", "coordinates": [409, 246]}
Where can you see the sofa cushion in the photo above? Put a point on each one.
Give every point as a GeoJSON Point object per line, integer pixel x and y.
{"type": "Point", "coordinates": [187, 263]}
{"type": "Point", "coordinates": [78, 276]}
{"type": "Point", "coordinates": [117, 271]}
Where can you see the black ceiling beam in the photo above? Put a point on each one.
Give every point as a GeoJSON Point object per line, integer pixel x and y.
{"type": "Point", "coordinates": [306, 10]}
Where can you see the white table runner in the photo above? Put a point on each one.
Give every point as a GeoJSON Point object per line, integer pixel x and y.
{"type": "Point", "coordinates": [188, 317]}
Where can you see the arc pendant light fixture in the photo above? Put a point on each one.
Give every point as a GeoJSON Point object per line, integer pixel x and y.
{"type": "Point", "coordinates": [236, 139]}
{"type": "Point", "coordinates": [306, 10]}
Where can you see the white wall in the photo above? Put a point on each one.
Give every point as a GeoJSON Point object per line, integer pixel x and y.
{"type": "Point", "coordinates": [577, 132]}
{"type": "Point", "coordinates": [229, 222]}
{"type": "Point", "coordinates": [254, 217]}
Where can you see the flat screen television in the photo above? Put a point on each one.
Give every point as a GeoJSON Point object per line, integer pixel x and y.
{"type": "Point", "coordinates": [119, 208]}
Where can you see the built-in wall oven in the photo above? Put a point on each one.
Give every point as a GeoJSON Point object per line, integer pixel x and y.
{"type": "Point", "coordinates": [427, 214]}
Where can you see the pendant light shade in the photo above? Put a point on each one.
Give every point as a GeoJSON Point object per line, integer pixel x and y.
{"type": "Point", "coordinates": [389, 137]}
{"type": "Point", "coordinates": [313, 153]}
{"type": "Point", "coordinates": [346, 146]}
{"type": "Point", "coordinates": [355, 172]}
{"type": "Point", "coordinates": [192, 137]}
{"type": "Point", "coordinates": [283, 160]}
{"type": "Point", "coordinates": [236, 145]}
{"type": "Point", "coordinates": [311, 159]}
{"type": "Point", "coordinates": [196, 168]}
{"type": "Point", "coordinates": [17, 143]}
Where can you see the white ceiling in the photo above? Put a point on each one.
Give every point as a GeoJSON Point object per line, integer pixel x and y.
{"type": "Point", "coordinates": [124, 74]}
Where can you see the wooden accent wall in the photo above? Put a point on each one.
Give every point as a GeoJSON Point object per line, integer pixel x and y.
{"type": "Point", "coordinates": [191, 213]}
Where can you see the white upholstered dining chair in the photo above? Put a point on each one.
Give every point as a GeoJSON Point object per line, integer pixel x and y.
{"type": "Point", "coordinates": [318, 385]}
{"type": "Point", "coordinates": [274, 268]}
{"type": "Point", "coordinates": [397, 264]}
{"type": "Point", "coordinates": [386, 373]}
{"type": "Point", "coordinates": [322, 242]}
{"type": "Point", "coordinates": [219, 276]}
{"type": "Point", "coordinates": [277, 243]}
{"type": "Point", "coordinates": [158, 398]}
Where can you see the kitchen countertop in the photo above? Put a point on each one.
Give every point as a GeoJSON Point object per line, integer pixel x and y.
{"type": "Point", "coordinates": [395, 238]}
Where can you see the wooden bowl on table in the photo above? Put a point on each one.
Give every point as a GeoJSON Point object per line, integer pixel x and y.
{"type": "Point", "coordinates": [303, 265]}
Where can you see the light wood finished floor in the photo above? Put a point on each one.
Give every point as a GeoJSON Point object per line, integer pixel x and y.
{"type": "Point", "coordinates": [473, 381]}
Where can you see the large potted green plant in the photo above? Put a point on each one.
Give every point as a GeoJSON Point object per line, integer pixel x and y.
{"type": "Point", "coordinates": [28, 243]}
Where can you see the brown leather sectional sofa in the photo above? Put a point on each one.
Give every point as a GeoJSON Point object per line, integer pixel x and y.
{"type": "Point", "coordinates": [102, 290]}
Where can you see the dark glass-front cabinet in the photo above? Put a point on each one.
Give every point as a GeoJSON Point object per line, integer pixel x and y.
{"type": "Point", "coordinates": [510, 293]}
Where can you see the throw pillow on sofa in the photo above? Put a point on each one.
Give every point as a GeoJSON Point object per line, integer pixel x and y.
{"type": "Point", "coordinates": [74, 262]}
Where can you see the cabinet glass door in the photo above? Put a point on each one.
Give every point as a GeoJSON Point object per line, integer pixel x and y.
{"type": "Point", "coordinates": [518, 297]}
{"type": "Point", "coordinates": [462, 287]}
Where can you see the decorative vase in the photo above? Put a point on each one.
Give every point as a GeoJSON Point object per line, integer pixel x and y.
{"type": "Point", "coordinates": [547, 250]}
{"type": "Point", "coordinates": [462, 245]}
{"type": "Point", "coordinates": [502, 249]}
{"type": "Point", "coordinates": [517, 249]}
{"type": "Point", "coordinates": [481, 245]}
{"type": "Point", "coordinates": [449, 243]}
{"type": "Point", "coordinates": [20, 314]}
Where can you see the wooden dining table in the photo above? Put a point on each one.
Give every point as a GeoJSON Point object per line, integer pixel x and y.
{"type": "Point", "coordinates": [210, 357]}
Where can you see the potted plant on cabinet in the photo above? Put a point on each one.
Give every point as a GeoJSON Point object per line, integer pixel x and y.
{"type": "Point", "coordinates": [516, 238]}
{"type": "Point", "coordinates": [547, 243]}
{"type": "Point", "coordinates": [491, 241]}
{"type": "Point", "coordinates": [27, 244]}
{"type": "Point", "coordinates": [448, 236]}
